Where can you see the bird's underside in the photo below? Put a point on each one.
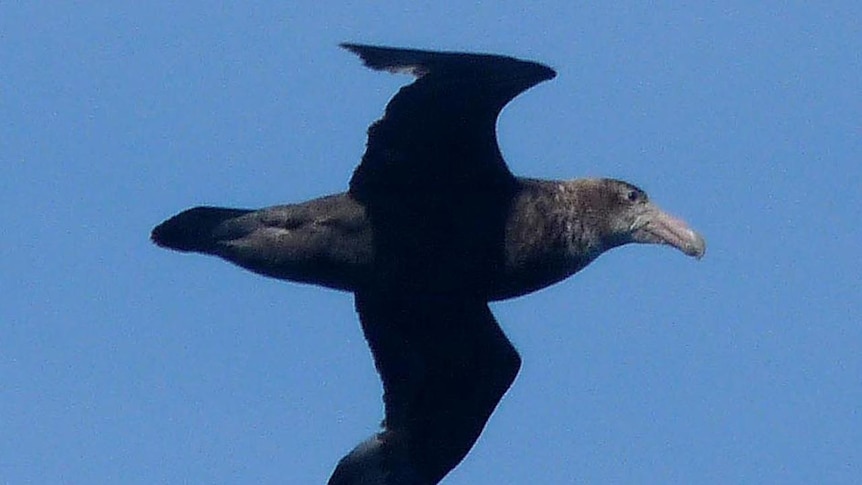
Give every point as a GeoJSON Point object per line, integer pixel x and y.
{"type": "Point", "coordinates": [434, 226]}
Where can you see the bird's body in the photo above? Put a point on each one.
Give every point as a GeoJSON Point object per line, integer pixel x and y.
{"type": "Point", "coordinates": [434, 226]}
{"type": "Point", "coordinates": [329, 242]}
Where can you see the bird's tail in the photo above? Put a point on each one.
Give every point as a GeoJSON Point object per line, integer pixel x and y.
{"type": "Point", "coordinates": [195, 229]}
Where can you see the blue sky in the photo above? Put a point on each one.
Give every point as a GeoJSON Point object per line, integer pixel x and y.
{"type": "Point", "coordinates": [124, 363]}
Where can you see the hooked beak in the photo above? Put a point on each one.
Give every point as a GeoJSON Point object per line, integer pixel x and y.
{"type": "Point", "coordinates": [654, 226]}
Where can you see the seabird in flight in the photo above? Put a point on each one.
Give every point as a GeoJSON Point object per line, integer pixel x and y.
{"type": "Point", "coordinates": [432, 228]}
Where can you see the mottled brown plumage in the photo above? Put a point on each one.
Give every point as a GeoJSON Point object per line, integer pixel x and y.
{"type": "Point", "coordinates": [433, 227]}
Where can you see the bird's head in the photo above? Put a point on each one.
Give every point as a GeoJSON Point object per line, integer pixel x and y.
{"type": "Point", "coordinates": [623, 214]}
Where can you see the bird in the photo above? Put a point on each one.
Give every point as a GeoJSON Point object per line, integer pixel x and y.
{"type": "Point", "coordinates": [432, 227]}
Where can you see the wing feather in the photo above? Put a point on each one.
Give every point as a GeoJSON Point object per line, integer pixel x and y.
{"type": "Point", "coordinates": [445, 364]}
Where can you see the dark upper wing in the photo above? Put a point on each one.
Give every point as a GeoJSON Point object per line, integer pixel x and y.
{"type": "Point", "coordinates": [439, 133]}
{"type": "Point", "coordinates": [445, 364]}
{"type": "Point", "coordinates": [432, 180]}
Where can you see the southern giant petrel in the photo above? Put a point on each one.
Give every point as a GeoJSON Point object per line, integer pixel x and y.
{"type": "Point", "coordinates": [432, 228]}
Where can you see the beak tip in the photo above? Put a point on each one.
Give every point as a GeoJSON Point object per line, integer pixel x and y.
{"type": "Point", "coordinates": [697, 248]}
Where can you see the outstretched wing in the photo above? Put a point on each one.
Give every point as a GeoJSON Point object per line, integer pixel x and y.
{"type": "Point", "coordinates": [445, 364]}
{"type": "Point", "coordinates": [432, 180]}
{"type": "Point", "coordinates": [440, 131]}
{"type": "Point", "coordinates": [437, 194]}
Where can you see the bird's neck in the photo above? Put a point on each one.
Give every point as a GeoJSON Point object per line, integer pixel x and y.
{"type": "Point", "coordinates": [547, 238]}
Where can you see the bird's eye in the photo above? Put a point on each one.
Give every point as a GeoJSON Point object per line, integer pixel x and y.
{"type": "Point", "coordinates": [633, 196]}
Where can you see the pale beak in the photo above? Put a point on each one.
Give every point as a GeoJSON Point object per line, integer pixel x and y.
{"type": "Point", "coordinates": [654, 226]}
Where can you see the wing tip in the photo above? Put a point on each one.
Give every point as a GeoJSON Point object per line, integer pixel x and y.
{"type": "Point", "coordinates": [420, 62]}
{"type": "Point", "coordinates": [392, 59]}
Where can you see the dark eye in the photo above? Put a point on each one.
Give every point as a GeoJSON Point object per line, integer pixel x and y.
{"type": "Point", "coordinates": [633, 196]}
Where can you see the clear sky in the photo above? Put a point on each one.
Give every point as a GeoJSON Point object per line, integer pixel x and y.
{"type": "Point", "coordinates": [124, 363]}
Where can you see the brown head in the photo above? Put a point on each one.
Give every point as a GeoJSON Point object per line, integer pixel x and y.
{"type": "Point", "coordinates": [620, 213]}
